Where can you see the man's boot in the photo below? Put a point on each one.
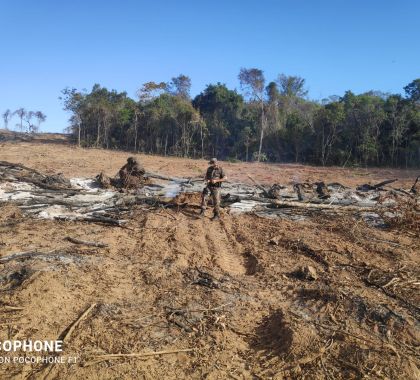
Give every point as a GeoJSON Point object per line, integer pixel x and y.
{"type": "Point", "coordinates": [216, 217]}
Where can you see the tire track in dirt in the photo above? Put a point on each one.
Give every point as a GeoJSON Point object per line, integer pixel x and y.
{"type": "Point", "coordinates": [190, 243]}
{"type": "Point", "coordinates": [226, 252]}
{"type": "Point", "coordinates": [120, 273]}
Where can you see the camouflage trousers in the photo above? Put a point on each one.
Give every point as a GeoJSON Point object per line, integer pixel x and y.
{"type": "Point", "coordinates": [215, 195]}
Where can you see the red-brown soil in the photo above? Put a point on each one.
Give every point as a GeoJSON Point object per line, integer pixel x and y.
{"type": "Point", "coordinates": [229, 290]}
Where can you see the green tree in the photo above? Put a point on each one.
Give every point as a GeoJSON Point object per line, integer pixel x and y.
{"type": "Point", "coordinates": [328, 124]}
{"type": "Point", "coordinates": [73, 101]}
{"type": "Point", "coordinates": [151, 90]}
{"type": "Point", "coordinates": [171, 125]}
{"type": "Point", "coordinates": [252, 82]}
{"type": "Point", "coordinates": [292, 86]}
{"type": "Point", "coordinates": [221, 110]}
{"type": "Point", "coordinates": [180, 86]}
{"type": "Point", "coordinates": [273, 107]}
{"type": "Point", "coordinates": [413, 90]}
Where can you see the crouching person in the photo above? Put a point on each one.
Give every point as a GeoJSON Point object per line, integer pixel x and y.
{"type": "Point", "coordinates": [132, 174]}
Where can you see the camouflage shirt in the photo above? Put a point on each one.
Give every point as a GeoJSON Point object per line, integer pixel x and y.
{"type": "Point", "coordinates": [215, 173]}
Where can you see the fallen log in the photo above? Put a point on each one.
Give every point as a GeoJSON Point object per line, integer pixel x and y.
{"type": "Point", "coordinates": [11, 165]}
{"type": "Point", "coordinates": [45, 185]}
{"type": "Point", "coordinates": [48, 201]}
{"type": "Point", "coordinates": [167, 178]}
{"type": "Point", "coordinates": [313, 203]}
{"type": "Point", "coordinates": [337, 184]}
{"type": "Point", "coordinates": [344, 204]}
{"type": "Point", "coordinates": [403, 192]}
{"type": "Point", "coordinates": [368, 187]}
{"type": "Point", "coordinates": [35, 206]}
{"type": "Point", "coordinates": [383, 183]}
{"type": "Point", "coordinates": [85, 242]}
{"type": "Point", "coordinates": [94, 219]}
{"type": "Point", "coordinates": [102, 208]}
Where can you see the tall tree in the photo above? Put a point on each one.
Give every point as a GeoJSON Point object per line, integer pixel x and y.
{"type": "Point", "coordinates": [292, 86]}
{"type": "Point", "coordinates": [180, 86]}
{"type": "Point", "coordinates": [273, 116]}
{"type": "Point", "coordinates": [292, 91]}
{"type": "Point", "coordinates": [252, 81]}
{"type": "Point", "coordinates": [221, 110]}
{"type": "Point", "coordinates": [28, 117]}
{"type": "Point", "coordinates": [246, 139]}
{"type": "Point", "coordinates": [73, 102]}
{"type": "Point", "coordinates": [7, 115]}
{"type": "Point", "coordinates": [151, 90]}
{"type": "Point", "coordinates": [40, 117]}
{"type": "Point", "coordinates": [328, 124]}
{"type": "Point", "coordinates": [413, 90]}
{"type": "Point", "coordinates": [21, 112]}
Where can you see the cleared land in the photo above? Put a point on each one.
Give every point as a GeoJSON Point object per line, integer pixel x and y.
{"type": "Point", "coordinates": [231, 291]}
{"type": "Point", "coordinates": [51, 153]}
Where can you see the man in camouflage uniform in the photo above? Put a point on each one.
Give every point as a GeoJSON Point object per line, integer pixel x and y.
{"type": "Point", "coordinates": [214, 178]}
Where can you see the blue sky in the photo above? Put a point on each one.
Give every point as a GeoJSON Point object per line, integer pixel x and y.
{"type": "Point", "coordinates": [336, 45]}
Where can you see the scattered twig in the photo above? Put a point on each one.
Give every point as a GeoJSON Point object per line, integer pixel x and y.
{"type": "Point", "coordinates": [386, 345]}
{"type": "Point", "coordinates": [344, 332]}
{"type": "Point", "coordinates": [85, 242]}
{"type": "Point", "coordinates": [386, 241]}
{"type": "Point", "coordinates": [100, 358]}
{"type": "Point", "coordinates": [11, 308]}
{"type": "Point", "coordinates": [306, 359]}
{"type": "Point", "coordinates": [66, 334]}
{"type": "Point", "coordinates": [180, 324]}
{"type": "Point", "coordinates": [200, 310]}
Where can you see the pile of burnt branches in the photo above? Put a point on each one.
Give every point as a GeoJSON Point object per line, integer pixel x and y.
{"type": "Point", "coordinates": [54, 196]}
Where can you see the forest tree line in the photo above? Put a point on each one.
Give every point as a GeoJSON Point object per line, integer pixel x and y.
{"type": "Point", "coordinates": [265, 121]}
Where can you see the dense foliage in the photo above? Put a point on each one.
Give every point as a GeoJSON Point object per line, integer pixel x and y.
{"type": "Point", "coordinates": [274, 122]}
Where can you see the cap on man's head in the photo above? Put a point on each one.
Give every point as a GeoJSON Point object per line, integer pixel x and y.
{"type": "Point", "coordinates": [213, 161]}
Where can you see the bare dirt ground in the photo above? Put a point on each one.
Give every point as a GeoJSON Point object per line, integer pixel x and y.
{"type": "Point", "coordinates": [230, 291]}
